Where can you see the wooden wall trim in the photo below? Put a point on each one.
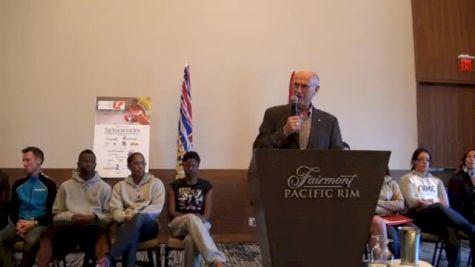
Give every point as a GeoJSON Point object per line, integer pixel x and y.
{"type": "Point", "coordinates": [445, 115]}
{"type": "Point", "coordinates": [443, 29]}
{"type": "Point", "coordinates": [445, 83]}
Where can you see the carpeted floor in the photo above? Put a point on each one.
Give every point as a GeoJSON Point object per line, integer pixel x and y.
{"type": "Point", "coordinates": [248, 255]}
{"type": "Point", "coordinates": [238, 255]}
{"type": "Point", "coordinates": [427, 252]}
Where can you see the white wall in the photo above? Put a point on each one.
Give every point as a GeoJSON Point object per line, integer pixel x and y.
{"type": "Point", "coordinates": [57, 56]}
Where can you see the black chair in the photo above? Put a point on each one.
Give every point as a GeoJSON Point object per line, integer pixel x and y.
{"type": "Point", "coordinates": [438, 246]}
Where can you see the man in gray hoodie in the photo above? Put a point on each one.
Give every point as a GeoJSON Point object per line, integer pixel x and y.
{"type": "Point", "coordinates": [81, 214]}
{"type": "Point", "coordinates": [136, 203]}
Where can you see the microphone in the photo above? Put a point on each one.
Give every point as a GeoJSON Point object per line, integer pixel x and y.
{"type": "Point", "coordinates": [294, 104]}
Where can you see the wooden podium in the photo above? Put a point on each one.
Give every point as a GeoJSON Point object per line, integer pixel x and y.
{"type": "Point", "coordinates": [314, 208]}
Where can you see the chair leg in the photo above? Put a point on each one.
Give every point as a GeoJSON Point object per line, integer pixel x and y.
{"type": "Point", "coordinates": [441, 250]}
{"type": "Point", "coordinates": [150, 258]}
{"type": "Point", "coordinates": [366, 251]}
{"type": "Point", "coordinates": [161, 258]}
{"type": "Point", "coordinates": [63, 260]}
{"type": "Point", "coordinates": [167, 256]}
{"type": "Point", "coordinates": [158, 256]}
{"type": "Point", "coordinates": [436, 246]}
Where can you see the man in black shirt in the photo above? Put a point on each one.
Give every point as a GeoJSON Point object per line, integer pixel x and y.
{"type": "Point", "coordinates": [189, 204]}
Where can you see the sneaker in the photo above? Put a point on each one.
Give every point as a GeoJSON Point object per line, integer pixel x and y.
{"type": "Point", "coordinates": [104, 262]}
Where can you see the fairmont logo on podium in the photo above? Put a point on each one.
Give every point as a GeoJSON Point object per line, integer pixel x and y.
{"type": "Point", "coordinates": [307, 182]}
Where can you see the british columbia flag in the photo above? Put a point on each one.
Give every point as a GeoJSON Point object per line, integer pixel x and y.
{"type": "Point", "coordinates": [185, 127]}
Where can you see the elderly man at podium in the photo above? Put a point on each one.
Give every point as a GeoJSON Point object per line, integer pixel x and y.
{"type": "Point", "coordinates": [299, 125]}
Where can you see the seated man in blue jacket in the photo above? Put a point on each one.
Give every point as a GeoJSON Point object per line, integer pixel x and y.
{"type": "Point", "coordinates": [29, 210]}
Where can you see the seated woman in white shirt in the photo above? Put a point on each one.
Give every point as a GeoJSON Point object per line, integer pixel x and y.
{"type": "Point", "coordinates": [428, 205]}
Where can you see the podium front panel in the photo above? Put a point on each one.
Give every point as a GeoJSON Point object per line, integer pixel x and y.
{"type": "Point", "coordinates": [314, 208]}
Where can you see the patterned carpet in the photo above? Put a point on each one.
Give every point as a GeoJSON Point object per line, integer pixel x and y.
{"type": "Point", "coordinates": [427, 252]}
{"type": "Point", "coordinates": [238, 255]}
{"type": "Point", "coordinates": [248, 255]}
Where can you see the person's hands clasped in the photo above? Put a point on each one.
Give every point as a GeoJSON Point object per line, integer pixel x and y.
{"type": "Point", "coordinates": [23, 226]}
{"type": "Point", "coordinates": [129, 215]}
{"type": "Point", "coordinates": [424, 202]}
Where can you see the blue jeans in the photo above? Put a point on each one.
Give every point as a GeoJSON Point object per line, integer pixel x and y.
{"type": "Point", "coordinates": [142, 227]}
{"type": "Point", "coordinates": [445, 222]}
{"type": "Point", "coordinates": [393, 234]}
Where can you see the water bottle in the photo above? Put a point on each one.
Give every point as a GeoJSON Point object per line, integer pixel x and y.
{"type": "Point", "coordinates": [410, 239]}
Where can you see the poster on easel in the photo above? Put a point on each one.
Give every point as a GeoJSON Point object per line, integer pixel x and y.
{"type": "Point", "coordinates": [122, 126]}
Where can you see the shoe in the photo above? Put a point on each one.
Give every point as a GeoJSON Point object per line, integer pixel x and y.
{"type": "Point", "coordinates": [104, 262]}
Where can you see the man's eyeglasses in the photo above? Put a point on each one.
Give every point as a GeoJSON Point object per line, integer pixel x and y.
{"type": "Point", "coordinates": [302, 86]}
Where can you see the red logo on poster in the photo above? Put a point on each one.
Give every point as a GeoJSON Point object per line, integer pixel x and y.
{"type": "Point", "coordinates": [118, 105]}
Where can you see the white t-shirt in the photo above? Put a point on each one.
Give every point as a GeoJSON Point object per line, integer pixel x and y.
{"type": "Point", "coordinates": [426, 188]}
{"type": "Point", "coordinates": [415, 187]}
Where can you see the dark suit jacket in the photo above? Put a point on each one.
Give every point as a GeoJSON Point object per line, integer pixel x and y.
{"type": "Point", "coordinates": [324, 134]}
